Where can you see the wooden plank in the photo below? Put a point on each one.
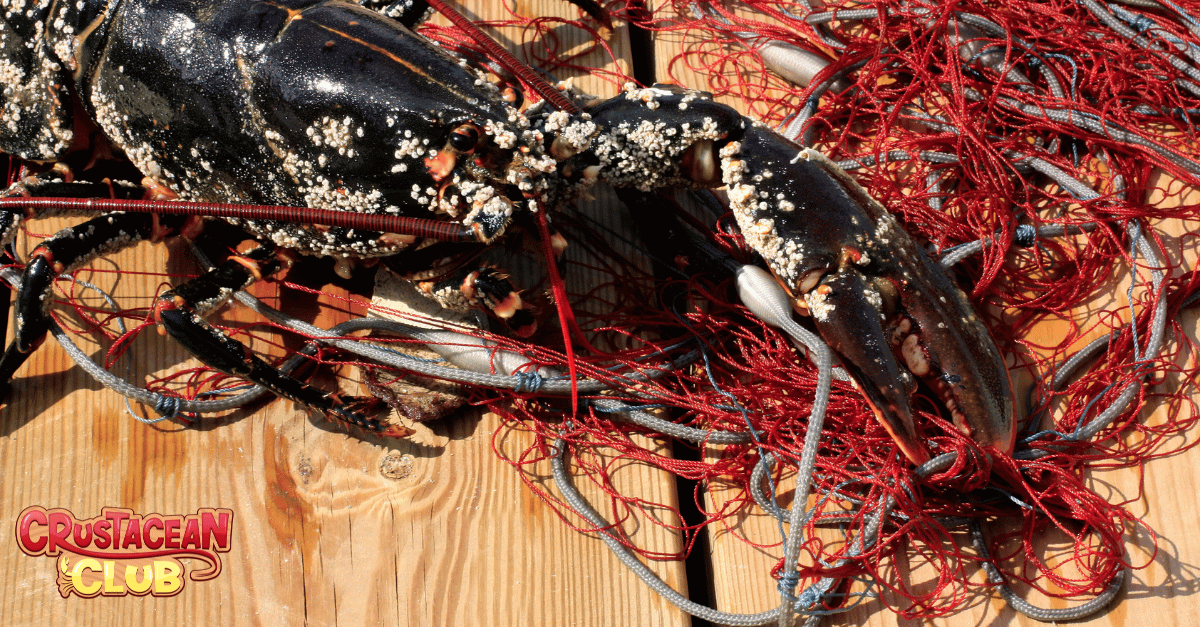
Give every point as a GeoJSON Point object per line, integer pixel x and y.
{"type": "Point", "coordinates": [1164, 589]}
{"type": "Point", "coordinates": [328, 528]}
{"type": "Point", "coordinates": [741, 583]}
{"type": "Point", "coordinates": [435, 530]}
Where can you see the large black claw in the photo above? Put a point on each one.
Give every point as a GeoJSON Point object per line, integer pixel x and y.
{"type": "Point", "coordinates": [877, 297]}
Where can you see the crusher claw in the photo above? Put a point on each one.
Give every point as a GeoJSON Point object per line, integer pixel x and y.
{"type": "Point", "coordinates": [890, 312]}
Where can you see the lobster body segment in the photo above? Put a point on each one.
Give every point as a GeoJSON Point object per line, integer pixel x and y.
{"type": "Point", "coordinates": [303, 103]}
{"type": "Point", "coordinates": [327, 104]}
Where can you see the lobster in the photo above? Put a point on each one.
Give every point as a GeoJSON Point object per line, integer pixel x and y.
{"type": "Point", "coordinates": [328, 104]}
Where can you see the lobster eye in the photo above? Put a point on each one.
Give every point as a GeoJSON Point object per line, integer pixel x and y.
{"type": "Point", "coordinates": [464, 138]}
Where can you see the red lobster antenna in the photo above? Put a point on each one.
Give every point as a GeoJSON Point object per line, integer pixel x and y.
{"type": "Point", "coordinates": [384, 223]}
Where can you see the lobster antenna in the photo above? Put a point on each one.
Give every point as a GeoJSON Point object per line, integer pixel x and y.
{"type": "Point", "coordinates": [506, 59]}
{"type": "Point", "coordinates": [384, 223]}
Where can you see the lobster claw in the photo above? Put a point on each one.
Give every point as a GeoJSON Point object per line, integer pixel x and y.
{"type": "Point", "coordinates": [857, 334]}
{"type": "Point", "coordinates": [887, 309]}
{"type": "Point", "coordinates": [879, 300]}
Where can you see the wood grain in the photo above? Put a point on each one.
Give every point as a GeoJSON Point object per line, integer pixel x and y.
{"type": "Point", "coordinates": [1166, 588]}
{"type": "Point", "coordinates": [328, 528]}
{"type": "Point", "coordinates": [433, 530]}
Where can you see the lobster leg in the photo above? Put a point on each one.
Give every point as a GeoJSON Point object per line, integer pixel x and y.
{"type": "Point", "coordinates": [49, 185]}
{"type": "Point", "coordinates": [180, 311]}
{"type": "Point", "coordinates": [62, 253]}
{"type": "Point", "coordinates": [455, 277]}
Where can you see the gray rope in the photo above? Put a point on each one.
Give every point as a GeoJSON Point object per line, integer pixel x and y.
{"type": "Point", "coordinates": [1138, 39]}
{"type": "Point", "coordinates": [124, 388]}
{"type": "Point", "coordinates": [791, 62]}
{"type": "Point", "coordinates": [797, 130]}
{"type": "Point", "coordinates": [804, 604]}
{"type": "Point", "coordinates": [459, 348]}
{"type": "Point", "coordinates": [580, 505]}
{"type": "Point", "coordinates": [1001, 33]}
{"type": "Point", "coordinates": [762, 294]}
{"type": "Point", "coordinates": [666, 427]}
{"type": "Point", "coordinates": [169, 406]}
{"type": "Point", "coordinates": [956, 254]}
{"type": "Point", "coordinates": [826, 17]}
{"type": "Point", "coordinates": [1150, 353]}
{"type": "Point", "coordinates": [1089, 122]}
{"type": "Point", "coordinates": [1045, 615]}
{"type": "Point", "coordinates": [553, 383]}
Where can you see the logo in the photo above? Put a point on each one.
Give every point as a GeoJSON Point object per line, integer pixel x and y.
{"type": "Point", "coordinates": [120, 552]}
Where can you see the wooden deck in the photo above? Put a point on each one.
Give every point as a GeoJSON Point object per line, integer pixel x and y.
{"type": "Point", "coordinates": [434, 530]}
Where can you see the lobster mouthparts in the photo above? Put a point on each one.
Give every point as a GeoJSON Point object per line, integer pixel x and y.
{"type": "Point", "coordinates": [875, 296]}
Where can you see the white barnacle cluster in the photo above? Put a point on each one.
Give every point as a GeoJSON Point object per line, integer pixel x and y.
{"type": "Point", "coordinates": [556, 121]}
{"type": "Point", "coordinates": [531, 169]}
{"type": "Point", "coordinates": [400, 7]}
{"type": "Point", "coordinates": [571, 135]}
{"type": "Point", "coordinates": [872, 296]}
{"type": "Point", "coordinates": [65, 41]}
{"type": "Point", "coordinates": [579, 133]}
{"type": "Point", "coordinates": [732, 168]}
{"type": "Point", "coordinates": [783, 255]}
{"type": "Point", "coordinates": [144, 157]}
{"type": "Point", "coordinates": [818, 305]}
{"type": "Point", "coordinates": [16, 7]}
{"type": "Point", "coordinates": [481, 79]}
{"type": "Point", "coordinates": [885, 229]}
{"type": "Point", "coordinates": [484, 201]}
{"type": "Point", "coordinates": [536, 161]}
{"type": "Point", "coordinates": [318, 190]}
{"type": "Point", "coordinates": [646, 155]}
{"type": "Point", "coordinates": [113, 244]}
{"type": "Point", "coordinates": [336, 134]}
{"type": "Point", "coordinates": [110, 119]}
{"type": "Point", "coordinates": [314, 240]}
{"type": "Point", "coordinates": [33, 96]}
{"type": "Point", "coordinates": [408, 148]}
{"type": "Point", "coordinates": [450, 298]}
{"type": "Point", "coordinates": [688, 97]}
{"type": "Point", "coordinates": [14, 94]}
{"type": "Point", "coordinates": [529, 185]}
{"type": "Point", "coordinates": [784, 204]}
{"type": "Point", "coordinates": [426, 196]}
{"type": "Point", "coordinates": [450, 203]}
{"type": "Point", "coordinates": [11, 74]}
{"type": "Point", "coordinates": [203, 308]}
{"type": "Point", "coordinates": [12, 6]}
{"type": "Point", "coordinates": [649, 95]}
{"type": "Point", "coordinates": [501, 134]}
{"type": "Point", "coordinates": [322, 193]}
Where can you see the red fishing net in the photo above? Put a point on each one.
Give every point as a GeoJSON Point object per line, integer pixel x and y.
{"type": "Point", "coordinates": [969, 121]}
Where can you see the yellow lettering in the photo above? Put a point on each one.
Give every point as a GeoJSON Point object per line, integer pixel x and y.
{"type": "Point", "coordinates": [110, 574]}
{"type": "Point", "coordinates": [166, 578]}
{"type": "Point", "coordinates": [131, 580]}
{"type": "Point", "coordinates": [77, 576]}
